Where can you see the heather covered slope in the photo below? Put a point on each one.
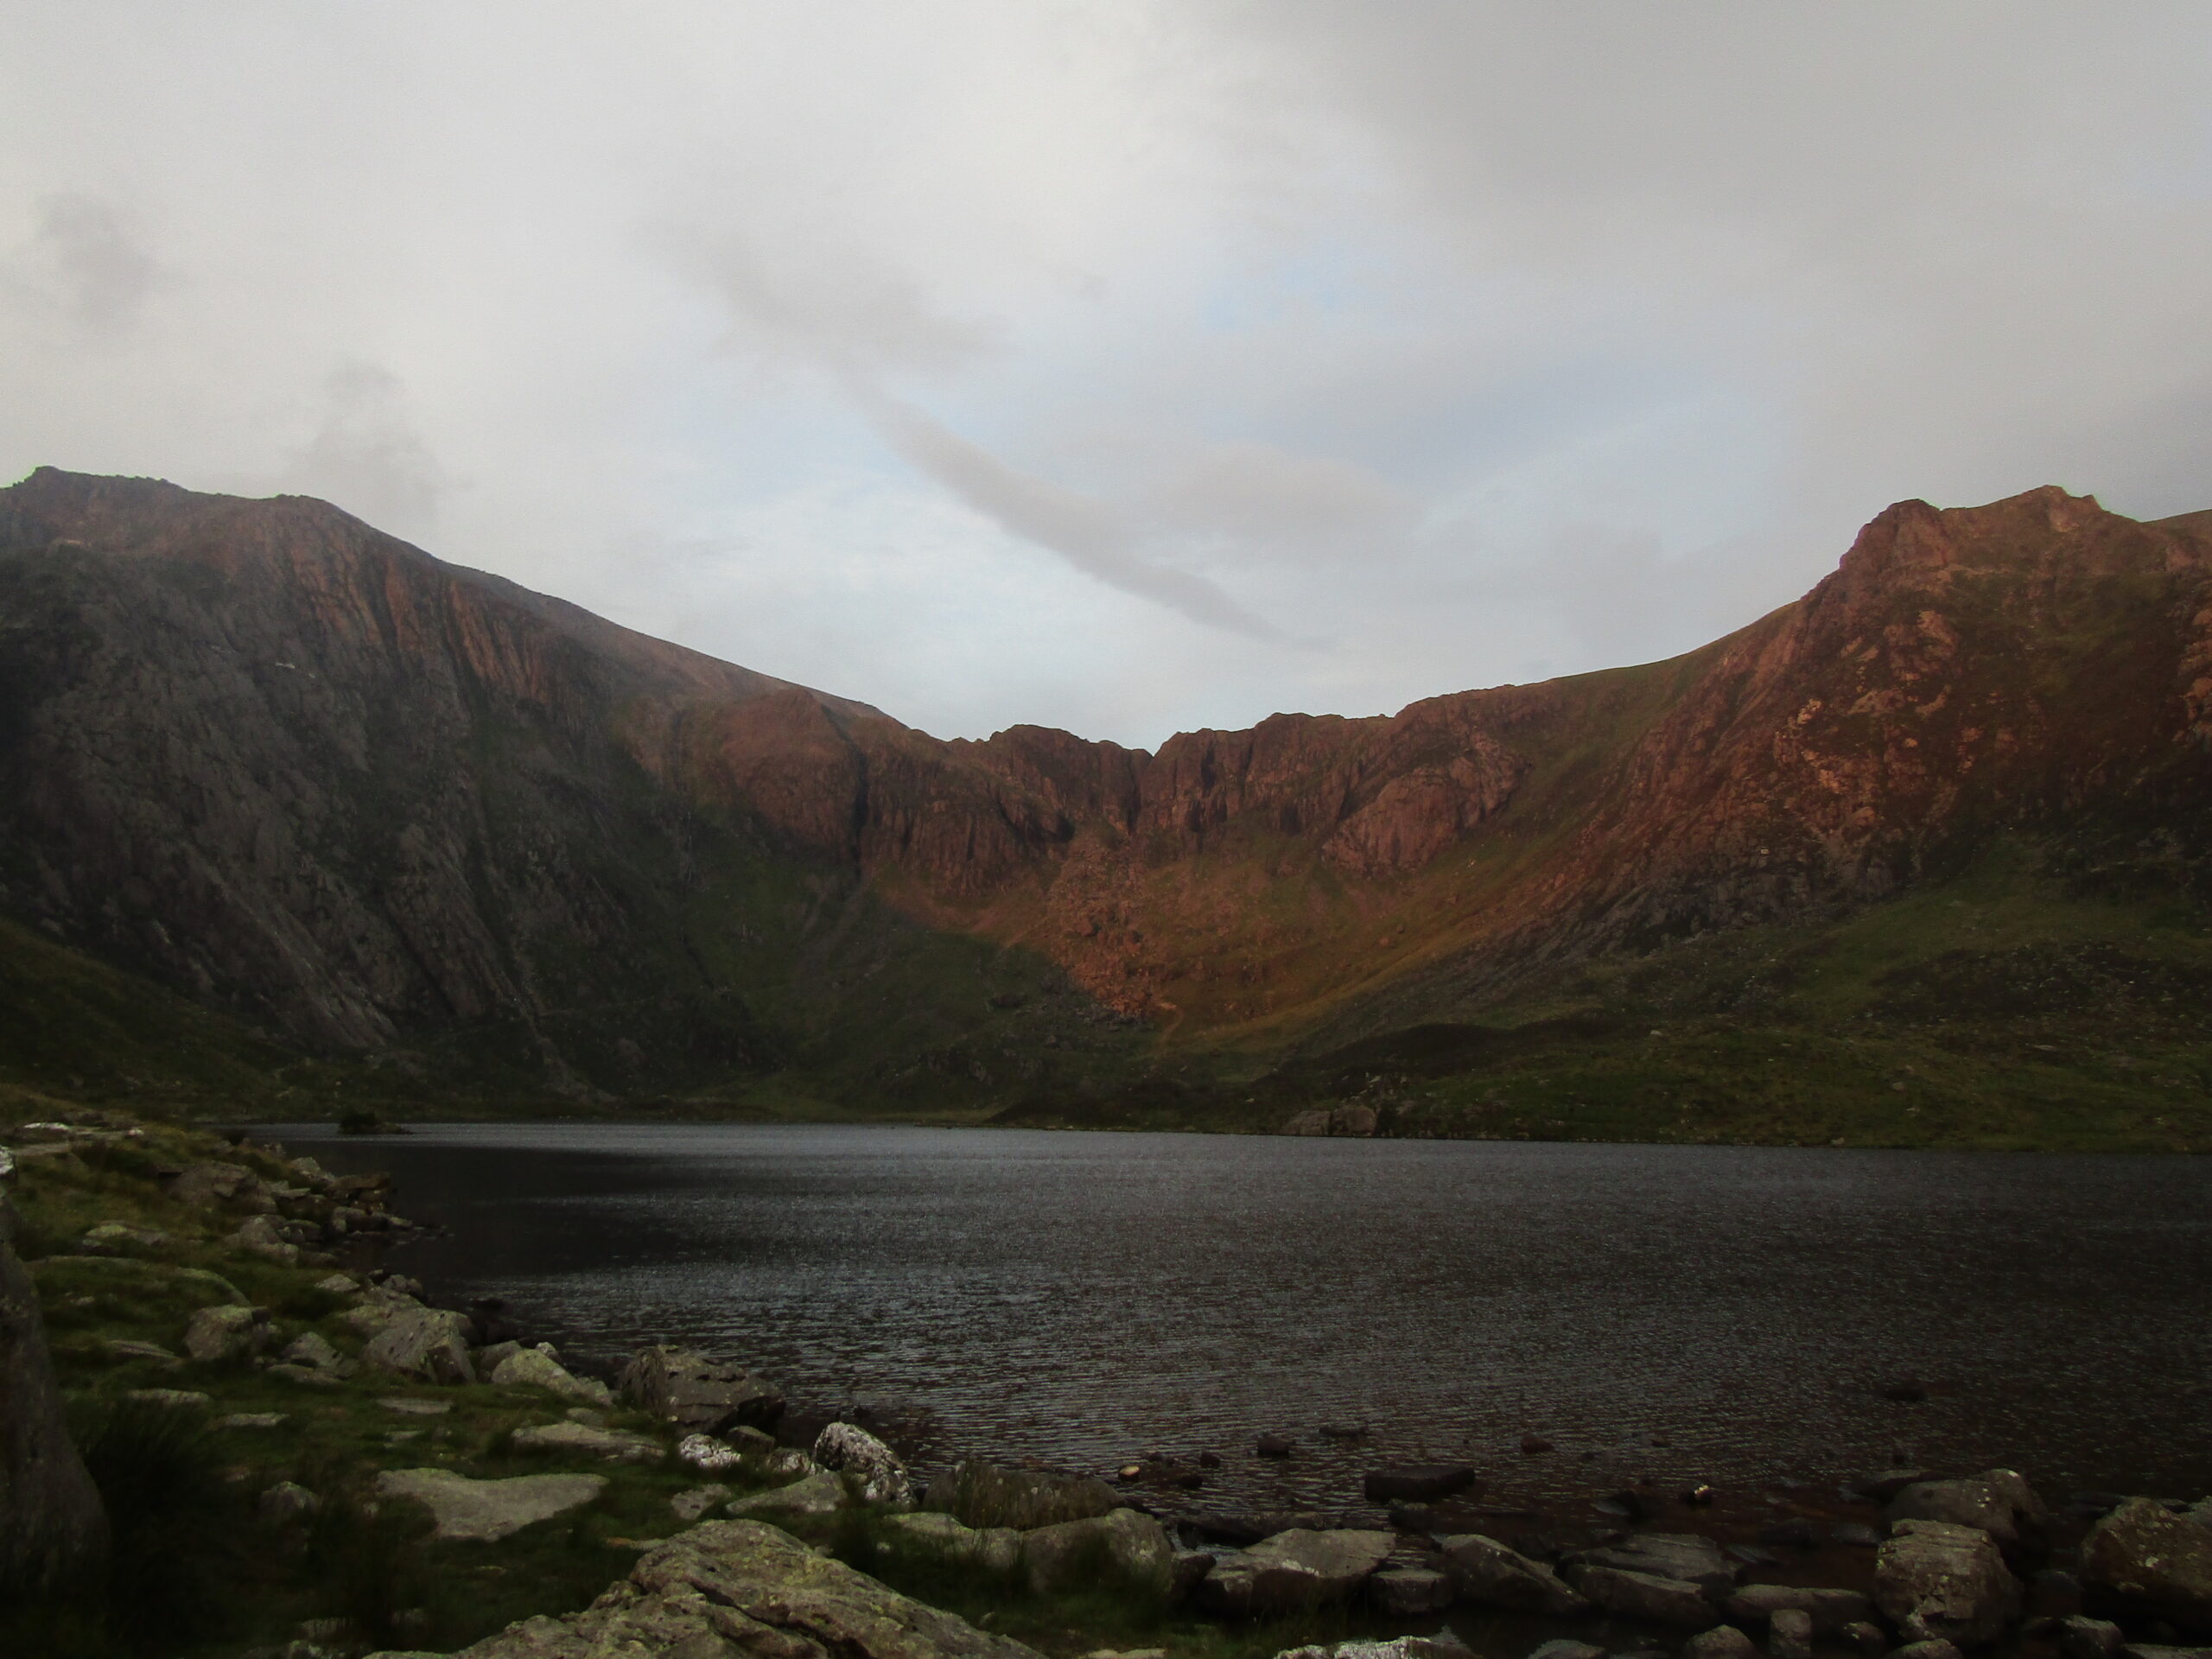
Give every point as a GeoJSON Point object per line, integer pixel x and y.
{"type": "Point", "coordinates": [479, 846]}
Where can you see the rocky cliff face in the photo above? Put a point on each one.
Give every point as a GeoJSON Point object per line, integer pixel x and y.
{"type": "Point", "coordinates": [260, 751]}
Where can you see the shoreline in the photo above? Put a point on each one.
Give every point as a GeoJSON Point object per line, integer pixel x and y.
{"type": "Point", "coordinates": [302, 1370]}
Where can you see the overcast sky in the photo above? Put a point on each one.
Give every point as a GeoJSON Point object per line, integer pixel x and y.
{"type": "Point", "coordinates": [1120, 367]}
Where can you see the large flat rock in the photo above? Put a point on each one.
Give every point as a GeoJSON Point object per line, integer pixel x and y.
{"type": "Point", "coordinates": [489, 1509]}
{"type": "Point", "coordinates": [738, 1587]}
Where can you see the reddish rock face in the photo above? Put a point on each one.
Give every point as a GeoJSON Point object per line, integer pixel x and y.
{"type": "Point", "coordinates": [285, 761]}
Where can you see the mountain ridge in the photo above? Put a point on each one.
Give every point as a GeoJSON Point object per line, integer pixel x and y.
{"type": "Point", "coordinates": [264, 754]}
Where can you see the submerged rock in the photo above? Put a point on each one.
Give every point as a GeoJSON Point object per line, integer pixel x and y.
{"type": "Point", "coordinates": [1417, 1483]}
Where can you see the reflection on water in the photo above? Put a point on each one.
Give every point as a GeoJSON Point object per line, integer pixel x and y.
{"type": "Point", "coordinates": [1080, 1297]}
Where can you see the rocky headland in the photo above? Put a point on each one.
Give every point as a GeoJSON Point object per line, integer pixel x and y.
{"type": "Point", "coordinates": [280, 1447]}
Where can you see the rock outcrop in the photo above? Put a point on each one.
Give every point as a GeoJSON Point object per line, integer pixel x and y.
{"type": "Point", "coordinates": [51, 1521]}
{"type": "Point", "coordinates": [738, 1587]}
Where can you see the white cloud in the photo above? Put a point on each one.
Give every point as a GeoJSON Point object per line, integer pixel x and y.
{"type": "Point", "coordinates": [1123, 367]}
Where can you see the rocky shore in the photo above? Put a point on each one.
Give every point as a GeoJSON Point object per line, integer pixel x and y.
{"type": "Point", "coordinates": [408, 1480]}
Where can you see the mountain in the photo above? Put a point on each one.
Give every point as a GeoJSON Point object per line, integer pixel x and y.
{"type": "Point", "coordinates": [457, 840]}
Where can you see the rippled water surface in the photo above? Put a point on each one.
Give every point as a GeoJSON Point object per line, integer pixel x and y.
{"type": "Point", "coordinates": [1079, 1297]}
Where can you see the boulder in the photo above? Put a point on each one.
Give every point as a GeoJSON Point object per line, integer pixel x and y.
{"type": "Point", "coordinates": [1829, 1609]}
{"type": "Point", "coordinates": [995, 1550]}
{"type": "Point", "coordinates": [430, 1343]}
{"type": "Point", "coordinates": [1789, 1635]}
{"type": "Point", "coordinates": [286, 1502]}
{"type": "Point", "coordinates": [259, 1236]}
{"type": "Point", "coordinates": [994, 1494]}
{"type": "Point", "coordinates": [489, 1509]}
{"type": "Point", "coordinates": [1999, 1501]}
{"type": "Point", "coordinates": [1442, 1646]}
{"type": "Point", "coordinates": [1486, 1571]}
{"type": "Point", "coordinates": [1683, 1555]}
{"type": "Point", "coordinates": [819, 1493]}
{"type": "Point", "coordinates": [1936, 1580]}
{"type": "Point", "coordinates": [492, 1355]}
{"type": "Point", "coordinates": [1417, 1483]}
{"type": "Point", "coordinates": [736, 1587]}
{"type": "Point", "coordinates": [1560, 1647]}
{"type": "Point", "coordinates": [1296, 1570]}
{"type": "Point", "coordinates": [1409, 1592]}
{"type": "Point", "coordinates": [51, 1521]}
{"type": "Point", "coordinates": [1721, 1642]}
{"type": "Point", "coordinates": [110, 1235]}
{"type": "Point", "coordinates": [316, 1354]}
{"type": "Point", "coordinates": [696, 1393]}
{"type": "Point", "coordinates": [534, 1368]}
{"type": "Point", "coordinates": [872, 1468]}
{"type": "Point", "coordinates": [226, 1333]}
{"type": "Point", "coordinates": [709, 1455]}
{"type": "Point", "coordinates": [205, 1187]}
{"type": "Point", "coordinates": [2143, 1560]}
{"type": "Point", "coordinates": [690, 1506]}
{"type": "Point", "coordinates": [579, 1439]}
{"type": "Point", "coordinates": [1933, 1647]}
{"type": "Point", "coordinates": [2090, 1638]}
{"type": "Point", "coordinates": [1643, 1595]}
{"type": "Point", "coordinates": [1119, 1547]}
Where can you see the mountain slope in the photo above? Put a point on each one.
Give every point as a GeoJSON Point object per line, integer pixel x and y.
{"type": "Point", "coordinates": [377, 804]}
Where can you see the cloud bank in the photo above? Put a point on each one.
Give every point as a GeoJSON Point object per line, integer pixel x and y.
{"type": "Point", "coordinates": [1126, 368]}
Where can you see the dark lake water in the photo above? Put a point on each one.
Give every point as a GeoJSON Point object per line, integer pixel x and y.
{"type": "Point", "coordinates": [1080, 1298]}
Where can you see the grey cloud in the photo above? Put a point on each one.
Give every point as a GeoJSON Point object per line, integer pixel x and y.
{"type": "Point", "coordinates": [366, 455]}
{"type": "Point", "coordinates": [853, 323]}
{"type": "Point", "coordinates": [1086, 532]}
{"type": "Point", "coordinates": [86, 265]}
{"type": "Point", "coordinates": [1267, 503]}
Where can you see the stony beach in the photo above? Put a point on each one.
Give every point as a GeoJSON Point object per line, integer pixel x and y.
{"type": "Point", "coordinates": [248, 1296]}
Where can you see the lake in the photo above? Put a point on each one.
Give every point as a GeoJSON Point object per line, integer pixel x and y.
{"type": "Point", "coordinates": [1720, 1314]}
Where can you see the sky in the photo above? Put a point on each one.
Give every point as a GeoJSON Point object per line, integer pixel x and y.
{"type": "Point", "coordinates": [1121, 366]}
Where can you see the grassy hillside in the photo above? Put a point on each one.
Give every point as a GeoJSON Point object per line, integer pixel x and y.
{"type": "Point", "coordinates": [2021, 1005]}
